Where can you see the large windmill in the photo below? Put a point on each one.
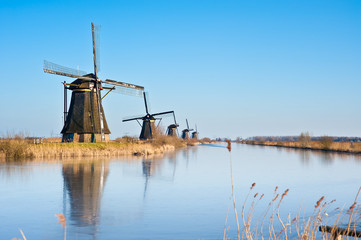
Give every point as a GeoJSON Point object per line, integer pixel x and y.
{"type": "Point", "coordinates": [148, 126]}
{"type": "Point", "coordinates": [85, 121]}
{"type": "Point", "coordinates": [185, 132]}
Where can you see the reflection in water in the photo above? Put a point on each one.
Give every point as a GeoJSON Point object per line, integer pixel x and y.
{"type": "Point", "coordinates": [305, 156]}
{"type": "Point", "coordinates": [84, 183]}
{"type": "Point", "coordinates": [15, 170]}
{"type": "Point", "coordinates": [147, 172]}
{"type": "Point", "coordinates": [151, 165]}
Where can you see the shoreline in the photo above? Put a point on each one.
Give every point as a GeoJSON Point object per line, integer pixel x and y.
{"type": "Point", "coordinates": [17, 150]}
{"type": "Point", "coordinates": [13, 150]}
{"type": "Point", "coordinates": [334, 147]}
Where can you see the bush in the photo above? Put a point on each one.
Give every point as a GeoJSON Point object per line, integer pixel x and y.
{"type": "Point", "coordinates": [167, 140]}
{"type": "Point", "coordinates": [14, 148]}
{"type": "Point", "coordinates": [305, 140]}
{"type": "Point", "coordinates": [326, 142]}
{"type": "Point", "coordinates": [126, 139]}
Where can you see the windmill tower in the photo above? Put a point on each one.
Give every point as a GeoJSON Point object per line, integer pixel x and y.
{"type": "Point", "coordinates": [172, 130]}
{"type": "Point", "coordinates": [195, 134]}
{"type": "Point", "coordinates": [85, 121]}
{"type": "Point", "coordinates": [185, 132]}
{"type": "Point", "coordinates": [148, 126]}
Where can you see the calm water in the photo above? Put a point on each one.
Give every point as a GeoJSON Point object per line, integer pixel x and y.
{"type": "Point", "coordinates": [184, 195]}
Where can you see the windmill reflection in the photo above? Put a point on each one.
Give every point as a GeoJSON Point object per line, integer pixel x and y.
{"type": "Point", "coordinates": [152, 166]}
{"type": "Point", "coordinates": [84, 184]}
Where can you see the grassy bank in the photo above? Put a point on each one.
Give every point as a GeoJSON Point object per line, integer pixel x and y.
{"type": "Point", "coordinates": [324, 145]}
{"type": "Point", "coordinates": [16, 149]}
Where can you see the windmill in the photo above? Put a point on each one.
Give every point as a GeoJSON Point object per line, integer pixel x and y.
{"type": "Point", "coordinates": [172, 130]}
{"type": "Point", "coordinates": [148, 126]}
{"type": "Point", "coordinates": [185, 132]}
{"type": "Point", "coordinates": [195, 134]}
{"type": "Point", "coordinates": [85, 121]}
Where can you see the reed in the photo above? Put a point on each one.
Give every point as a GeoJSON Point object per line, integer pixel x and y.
{"type": "Point", "coordinates": [304, 228]}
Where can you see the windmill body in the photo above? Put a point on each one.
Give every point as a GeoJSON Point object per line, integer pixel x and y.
{"type": "Point", "coordinates": [185, 132]}
{"type": "Point", "coordinates": [195, 134]}
{"type": "Point", "coordinates": [85, 121]}
{"type": "Point", "coordinates": [172, 130]}
{"type": "Point", "coordinates": [148, 128]}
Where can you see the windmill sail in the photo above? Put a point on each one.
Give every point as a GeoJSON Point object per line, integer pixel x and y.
{"type": "Point", "coordinates": [57, 69]}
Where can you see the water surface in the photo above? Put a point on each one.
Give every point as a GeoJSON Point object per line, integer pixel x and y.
{"type": "Point", "coordinates": [182, 195]}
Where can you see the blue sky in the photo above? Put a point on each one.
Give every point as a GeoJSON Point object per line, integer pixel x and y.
{"type": "Point", "coordinates": [234, 68]}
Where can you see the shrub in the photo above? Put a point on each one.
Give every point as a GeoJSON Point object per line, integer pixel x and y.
{"type": "Point", "coordinates": [14, 148]}
{"type": "Point", "coordinates": [305, 140]}
{"type": "Point", "coordinates": [126, 139]}
{"type": "Point", "coordinates": [326, 142]}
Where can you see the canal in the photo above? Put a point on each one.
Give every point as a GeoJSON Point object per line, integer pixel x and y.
{"type": "Point", "coordinates": [182, 195]}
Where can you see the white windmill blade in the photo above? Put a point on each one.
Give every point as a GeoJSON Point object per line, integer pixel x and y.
{"type": "Point", "coordinates": [122, 90]}
{"type": "Point", "coordinates": [57, 69]}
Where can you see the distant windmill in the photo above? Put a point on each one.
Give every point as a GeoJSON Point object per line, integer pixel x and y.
{"type": "Point", "coordinates": [185, 132]}
{"type": "Point", "coordinates": [172, 130]}
{"type": "Point", "coordinates": [85, 121]}
{"type": "Point", "coordinates": [195, 134]}
{"type": "Point", "coordinates": [148, 126]}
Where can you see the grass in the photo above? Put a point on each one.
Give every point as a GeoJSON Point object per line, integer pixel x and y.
{"type": "Point", "coordinates": [19, 148]}
{"type": "Point", "coordinates": [323, 144]}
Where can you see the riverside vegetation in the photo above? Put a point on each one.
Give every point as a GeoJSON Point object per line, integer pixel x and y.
{"type": "Point", "coordinates": [325, 143]}
{"type": "Point", "coordinates": [18, 147]}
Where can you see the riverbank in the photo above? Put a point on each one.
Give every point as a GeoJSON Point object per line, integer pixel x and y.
{"type": "Point", "coordinates": [325, 145]}
{"type": "Point", "coordinates": [18, 149]}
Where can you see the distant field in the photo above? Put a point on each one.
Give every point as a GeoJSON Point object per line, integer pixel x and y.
{"type": "Point", "coordinates": [325, 145]}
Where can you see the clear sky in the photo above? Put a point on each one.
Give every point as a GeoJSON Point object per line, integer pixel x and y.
{"type": "Point", "coordinates": [234, 68]}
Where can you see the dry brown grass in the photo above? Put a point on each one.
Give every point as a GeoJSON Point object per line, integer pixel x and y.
{"type": "Point", "coordinates": [316, 145]}
{"type": "Point", "coordinates": [292, 227]}
{"type": "Point", "coordinates": [19, 149]}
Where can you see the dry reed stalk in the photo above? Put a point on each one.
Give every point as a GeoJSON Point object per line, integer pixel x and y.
{"type": "Point", "coordinates": [278, 213]}
{"type": "Point", "coordinates": [225, 225]}
{"type": "Point", "coordinates": [233, 195]}
{"type": "Point", "coordinates": [351, 213]}
{"type": "Point", "coordinates": [245, 223]}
